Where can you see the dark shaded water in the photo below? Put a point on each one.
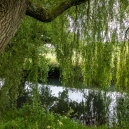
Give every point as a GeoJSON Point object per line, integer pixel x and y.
{"type": "Point", "coordinates": [87, 105]}
{"type": "Point", "coordinates": [93, 104]}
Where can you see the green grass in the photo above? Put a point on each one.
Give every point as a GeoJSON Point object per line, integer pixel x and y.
{"type": "Point", "coordinates": [52, 58]}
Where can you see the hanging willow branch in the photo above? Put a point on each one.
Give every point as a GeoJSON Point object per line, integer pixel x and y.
{"type": "Point", "coordinates": [43, 15]}
{"type": "Point", "coordinates": [13, 11]}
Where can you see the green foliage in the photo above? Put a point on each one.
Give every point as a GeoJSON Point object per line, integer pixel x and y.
{"type": "Point", "coordinates": [82, 45]}
{"type": "Point", "coordinates": [87, 49]}
{"type": "Point", "coordinates": [123, 111]}
{"type": "Point", "coordinates": [35, 118]}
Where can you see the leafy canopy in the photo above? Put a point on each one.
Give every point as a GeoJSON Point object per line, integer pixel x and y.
{"type": "Point", "coordinates": [89, 41]}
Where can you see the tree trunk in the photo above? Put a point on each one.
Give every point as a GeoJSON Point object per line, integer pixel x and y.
{"type": "Point", "coordinates": [13, 11]}
{"type": "Point", "coordinates": [11, 14]}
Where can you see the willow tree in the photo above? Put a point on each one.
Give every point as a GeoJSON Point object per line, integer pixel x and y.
{"type": "Point", "coordinates": [88, 37]}
{"type": "Point", "coordinates": [12, 12]}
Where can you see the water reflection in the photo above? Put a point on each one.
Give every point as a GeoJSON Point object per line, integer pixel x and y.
{"type": "Point", "coordinates": [90, 107]}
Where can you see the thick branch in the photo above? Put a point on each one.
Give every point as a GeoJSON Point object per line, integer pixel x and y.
{"type": "Point", "coordinates": [43, 15]}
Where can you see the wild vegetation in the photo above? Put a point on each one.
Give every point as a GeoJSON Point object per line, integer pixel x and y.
{"type": "Point", "coordinates": [90, 42]}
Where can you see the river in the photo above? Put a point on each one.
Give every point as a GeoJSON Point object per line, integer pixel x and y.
{"type": "Point", "coordinates": [83, 94]}
{"type": "Point", "coordinates": [79, 95]}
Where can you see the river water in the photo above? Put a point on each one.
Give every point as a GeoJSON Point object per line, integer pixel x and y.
{"type": "Point", "coordinates": [79, 95]}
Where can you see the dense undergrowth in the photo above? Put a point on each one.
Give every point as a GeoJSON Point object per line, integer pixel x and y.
{"type": "Point", "coordinates": [35, 117]}
{"type": "Point", "coordinates": [31, 117]}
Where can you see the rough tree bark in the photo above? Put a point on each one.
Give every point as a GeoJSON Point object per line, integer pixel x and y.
{"type": "Point", "coordinates": [11, 14]}
{"type": "Point", "coordinates": [13, 11]}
